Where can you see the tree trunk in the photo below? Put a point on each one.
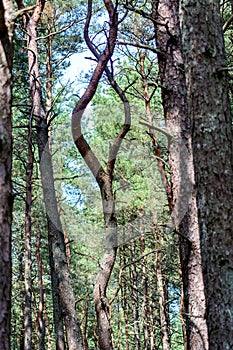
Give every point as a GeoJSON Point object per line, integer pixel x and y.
{"type": "Point", "coordinates": [209, 110]}
{"type": "Point", "coordinates": [135, 293]}
{"type": "Point", "coordinates": [184, 211]}
{"type": "Point", "coordinates": [41, 320]}
{"type": "Point", "coordinates": [163, 303]}
{"type": "Point", "coordinates": [6, 53]}
{"type": "Point", "coordinates": [28, 248]}
{"type": "Point", "coordinates": [63, 295]}
{"type": "Point", "coordinates": [101, 302]}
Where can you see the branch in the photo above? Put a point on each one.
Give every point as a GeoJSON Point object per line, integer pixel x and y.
{"type": "Point", "coordinates": [23, 10]}
{"type": "Point", "coordinates": [143, 14]}
{"type": "Point", "coordinates": [141, 46]}
{"type": "Point", "coordinates": [58, 31]}
{"type": "Point", "coordinates": [227, 23]}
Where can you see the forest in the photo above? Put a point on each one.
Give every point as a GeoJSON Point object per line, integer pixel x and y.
{"type": "Point", "coordinates": [116, 175]}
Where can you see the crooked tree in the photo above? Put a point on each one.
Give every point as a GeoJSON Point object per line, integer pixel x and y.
{"type": "Point", "coordinates": [104, 177]}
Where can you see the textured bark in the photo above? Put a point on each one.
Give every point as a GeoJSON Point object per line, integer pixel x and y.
{"type": "Point", "coordinates": [6, 53]}
{"type": "Point", "coordinates": [184, 211]}
{"type": "Point", "coordinates": [63, 295]}
{"type": "Point", "coordinates": [209, 110]}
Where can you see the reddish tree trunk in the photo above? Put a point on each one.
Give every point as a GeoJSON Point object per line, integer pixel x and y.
{"type": "Point", "coordinates": [209, 110]}
{"type": "Point", "coordinates": [184, 211]}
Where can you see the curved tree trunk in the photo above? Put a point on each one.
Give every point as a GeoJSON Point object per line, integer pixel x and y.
{"type": "Point", "coordinates": [6, 53]}
{"type": "Point", "coordinates": [209, 110]}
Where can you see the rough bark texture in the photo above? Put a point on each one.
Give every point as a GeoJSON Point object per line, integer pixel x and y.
{"type": "Point", "coordinates": [209, 110]}
{"type": "Point", "coordinates": [6, 53]}
{"type": "Point", "coordinates": [184, 211]}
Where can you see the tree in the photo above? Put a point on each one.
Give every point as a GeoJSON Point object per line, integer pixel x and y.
{"type": "Point", "coordinates": [211, 126]}
{"type": "Point", "coordinates": [63, 296]}
{"type": "Point", "coordinates": [6, 55]}
{"type": "Point", "coordinates": [184, 211]}
{"type": "Point", "coordinates": [164, 16]}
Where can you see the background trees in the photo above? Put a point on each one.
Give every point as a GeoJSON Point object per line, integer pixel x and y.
{"type": "Point", "coordinates": [137, 70]}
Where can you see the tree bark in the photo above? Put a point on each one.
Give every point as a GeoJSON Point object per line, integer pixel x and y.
{"type": "Point", "coordinates": [184, 211]}
{"type": "Point", "coordinates": [211, 121]}
{"type": "Point", "coordinates": [6, 53]}
{"type": "Point", "coordinates": [63, 295]}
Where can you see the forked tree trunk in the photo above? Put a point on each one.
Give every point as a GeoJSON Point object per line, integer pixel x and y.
{"type": "Point", "coordinates": [6, 53]}
{"type": "Point", "coordinates": [209, 110]}
{"type": "Point", "coordinates": [171, 71]}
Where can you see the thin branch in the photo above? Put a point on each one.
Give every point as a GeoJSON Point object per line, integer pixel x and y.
{"type": "Point", "coordinates": [58, 31]}
{"type": "Point", "coordinates": [227, 23]}
{"type": "Point", "coordinates": [141, 46]}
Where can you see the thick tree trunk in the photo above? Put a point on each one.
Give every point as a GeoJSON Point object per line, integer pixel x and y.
{"type": "Point", "coordinates": [6, 53]}
{"type": "Point", "coordinates": [209, 110]}
{"type": "Point", "coordinates": [184, 209]}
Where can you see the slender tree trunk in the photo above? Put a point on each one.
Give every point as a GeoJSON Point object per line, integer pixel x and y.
{"type": "Point", "coordinates": [21, 279]}
{"type": "Point", "coordinates": [85, 326]}
{"type": "Point", "coordinates": [6, 53]}
{"type": "Point", "coordinates": [145, 301]}
{"type": "Point", "coordinates": [163, 302]}
{"type": "Point", "coordinates": [209, 110]}
{"type": "Point", "coordinates": [28, 248]}
{"type": "Point", "coordinates": [124, 301]}
{"type": "Point", "coordinates": [135, 297]}
{"type": "Point", "coordinates": [63, 295]}
{"type": "Point", "coordinates": [184, 211]}
{"type": "Point", "coordinates": [41, 320]}
{"type": "Point", "coordinates": [151, 314]}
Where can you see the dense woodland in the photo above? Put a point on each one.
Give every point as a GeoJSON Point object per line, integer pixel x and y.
{"type": "Point", "coordinates": [116, 180]}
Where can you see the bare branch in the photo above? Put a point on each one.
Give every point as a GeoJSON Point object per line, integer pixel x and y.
{"type": "Point", "coordinates": [141, 46]}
